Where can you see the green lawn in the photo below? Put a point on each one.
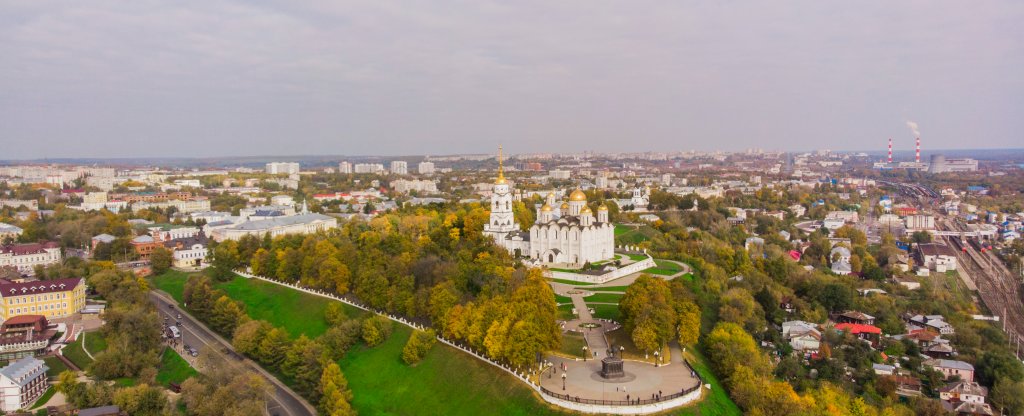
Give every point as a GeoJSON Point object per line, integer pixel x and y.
{"type": "Point", "coordinates": [565, 312]}
{"type": "Point", "coordinates": [446, 382]}
{"type": "Point", "coordinates": [74, 353]}
{"type": "Point", "coordinates": [630, 235]}
{"type": "Point", "coordinates": [604, 297]}
{"type": "Point", "coordinates": [659, 271]}
{"type": "Point", "coordinates": [562, 299]}
{"type": "Point", "coordinates": [618, 289]}
{"type": "Point", "coordinates": [668, 265]}
{"type": "Point", "coordinates": [606, 311]}
{"type": "Point", "coordinates": [95, 343]}
{"type": "Point", "coordinates": [572, 344]}
{"type": "Point", "coordinates": [44, 398]}
{"type": "Point", "coordinates": [297, 312]}
{"type": "Point", "coordinates": [172, 282]}
{"type": "Point", "coordinates": [55, 366]}
{"type": "Point", "coordinates": [570, 282]}
{"type": "Point", "coordinates": [637, 257]}
{"type": "Point", "coordinates": [173, 368]}
{"type": "Point", "coordinates": [717, 401]}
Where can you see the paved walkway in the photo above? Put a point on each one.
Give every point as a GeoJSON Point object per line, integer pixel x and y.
{"type": "Point", "coordinates": [596, 341]}
{"type": "Point", "coordinates": [86, 349]}
{"type": "Point", "coordinates": [642, 379]}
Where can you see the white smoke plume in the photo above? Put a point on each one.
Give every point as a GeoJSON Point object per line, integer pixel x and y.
{"type": "Point", "coordinates": [913, 127]}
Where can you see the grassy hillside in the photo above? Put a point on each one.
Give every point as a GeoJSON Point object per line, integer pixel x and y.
{"type": "Point", "coordinates": [447, 381]}
{"type": "Point", "coordinates": [297, 312]}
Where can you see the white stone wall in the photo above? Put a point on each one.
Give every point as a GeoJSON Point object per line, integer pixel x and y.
{"type": "Point", "coordinates": [607, 277]}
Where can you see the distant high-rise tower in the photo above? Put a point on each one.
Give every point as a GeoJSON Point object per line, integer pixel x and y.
{"type": "Point", "coordinates": [890, 150]}
{"type": "Point", "coordinates": [917, 157]}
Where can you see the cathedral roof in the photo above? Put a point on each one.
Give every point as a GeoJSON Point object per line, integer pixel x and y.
{"type": "Point", "coordinates": [565, 205]}
{"type": "Point", "coordinates": [586, 210]}
{"type": "Point", "coordinates": [567, 221]}
{"type": "Point", "coordinates": [603, 207]}
{"type": "Point", "coordinates": [546, 208]}
{"type": "Point", "coordinates": [577, 195]}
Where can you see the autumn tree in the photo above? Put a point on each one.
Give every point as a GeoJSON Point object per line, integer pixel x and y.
{"type": "Point", "coordinates": [376, 330]}
{"type": "Point", "coordinates": [142, 400]}
{"type": "Point", "coordinates": [729, 347]}
{"type": "Point", "coordinates": [418, 345]}
{"type": "Point", "coordinates": [335, 395]}
{"type": "Point", "coordinates": [688, 328]}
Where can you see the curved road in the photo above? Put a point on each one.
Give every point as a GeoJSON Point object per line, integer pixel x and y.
{"type": "Point", "coordinates": [284, 401]}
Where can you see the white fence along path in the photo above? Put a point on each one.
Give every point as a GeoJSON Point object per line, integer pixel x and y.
{"type": "Point", "coordinates": [521, 375]}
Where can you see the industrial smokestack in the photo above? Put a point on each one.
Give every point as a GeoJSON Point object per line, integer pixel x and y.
{"type": "Point", "coordinates": [890, 150]}
{"type": "Point", "coordinates": [917, 157]}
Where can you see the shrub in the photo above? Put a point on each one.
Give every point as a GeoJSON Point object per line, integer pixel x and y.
{"type": "Point", "coordinates": [418, 345]}
{"type": "Point", "coordinates": [376, 330]}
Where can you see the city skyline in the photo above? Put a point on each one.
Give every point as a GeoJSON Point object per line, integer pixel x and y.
{"type": "Point", "coordinates": [239, 79]}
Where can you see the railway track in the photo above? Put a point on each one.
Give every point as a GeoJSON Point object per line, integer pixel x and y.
{"type": "Point", "coordinates": [997, 287]}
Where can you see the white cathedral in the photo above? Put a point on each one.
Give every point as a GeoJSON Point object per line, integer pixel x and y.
{"type": "Point", "coordinates": [566, 233]}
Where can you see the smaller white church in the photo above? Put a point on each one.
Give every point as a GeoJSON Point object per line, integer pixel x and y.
{"type": "Point", "coordinates": [565, 232]}
{"type": "Point", "coordinates": [638, 202]}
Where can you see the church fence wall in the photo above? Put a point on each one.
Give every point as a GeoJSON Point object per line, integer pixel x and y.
{"type": "Point", "coordinates": [604, 278]}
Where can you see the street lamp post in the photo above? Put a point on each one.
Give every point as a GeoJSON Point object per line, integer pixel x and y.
{"type": "Point", "coordinates": [621, 350]}
{"type": "Point", "coordinates": [584, 353]}
{"type": "Point", "coordinates": [656, 354]}
{"type": "Point", "coordinates": [563, 381]}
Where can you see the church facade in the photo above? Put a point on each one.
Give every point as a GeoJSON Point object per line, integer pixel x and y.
{"type": "Point", "coordinates": [565, 232]}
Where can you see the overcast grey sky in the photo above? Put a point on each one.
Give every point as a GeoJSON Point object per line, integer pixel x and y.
{"type": "Point", "coordinates": [206, 78]}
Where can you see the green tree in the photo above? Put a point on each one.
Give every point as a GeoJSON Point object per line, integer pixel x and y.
{"type": "Point", "coordinates": [338, 339]}
{"type": "Point", "coordinates": [302, 363]}
{"type": "Point", "coordinates": [1008, 396]}
{"type": "Point", "coordinates": [160, 259]}
{"type": "Point", "coordinates": [273, 347]}
{"type": "Point", "coordinates": [225, 260]}
{"type": "Point", "coordinates": [999, 365]}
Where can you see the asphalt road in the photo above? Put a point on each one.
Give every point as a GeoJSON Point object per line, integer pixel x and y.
{"type": "Point", "coordinates": [284, 401]}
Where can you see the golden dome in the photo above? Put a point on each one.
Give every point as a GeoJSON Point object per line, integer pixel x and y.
{"type": "Point", "coordinates": [602, 208]}
{"type": "Point", "coordinates": [545, 208]}
{"type": "Point", "coordinates": [565, 205]}
{"type": "Point", "coordinates": [500, 181]}
{"type": "Point", "coordinates": [577, 195]}
{"type": "Point", "coordinates": [586, 211]}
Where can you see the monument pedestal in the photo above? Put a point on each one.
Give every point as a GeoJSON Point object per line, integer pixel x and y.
{"type": "Point", "coordinates": [611, 367]}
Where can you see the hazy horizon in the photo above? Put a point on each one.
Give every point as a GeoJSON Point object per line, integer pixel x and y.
{"type": "Point", "coordinates": [156, 79]}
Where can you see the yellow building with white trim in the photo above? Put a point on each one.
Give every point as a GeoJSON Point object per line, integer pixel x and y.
{"type": "Point", "coordinates": [57, 298]}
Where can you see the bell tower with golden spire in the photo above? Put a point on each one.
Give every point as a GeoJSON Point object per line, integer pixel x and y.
{"type": "Point", "coordinates": [502, 220]}
{"type": "Point", "coordinates": [501, 168]}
